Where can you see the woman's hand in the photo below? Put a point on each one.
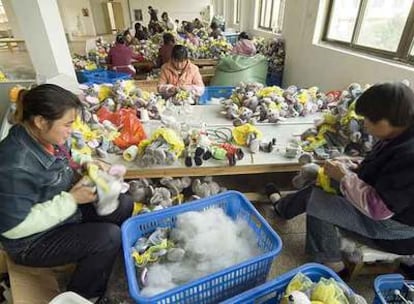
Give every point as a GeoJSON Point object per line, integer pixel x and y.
{"type": "Point", "coordinates": [335, 169]}
{"type": "Point", "coordinates": [104, 166]}
{"type": "Point", "coordinates": [83, 193]}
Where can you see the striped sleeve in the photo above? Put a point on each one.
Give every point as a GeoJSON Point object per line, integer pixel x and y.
{"type": "Point", "coordinates": [364, 197]}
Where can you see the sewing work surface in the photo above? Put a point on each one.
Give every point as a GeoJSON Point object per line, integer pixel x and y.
{"type": "Point", "coordinates": [260, 162]}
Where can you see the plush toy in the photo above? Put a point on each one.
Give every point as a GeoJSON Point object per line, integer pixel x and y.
{"type": "Point", "coordinates": [176, 186]}
{"type": "Point", "coordinates": [206, 187]}
{"type": "Point", "coordinates": [295, 297]}
{"type": "Point", "coordinates": [161, 197]}
{"type": "Point", "coordinates": [141, 190]}
{"type": "Point", "coordinates": [198, 147]}
{"type": "Point", "coordinates": [312, 173]}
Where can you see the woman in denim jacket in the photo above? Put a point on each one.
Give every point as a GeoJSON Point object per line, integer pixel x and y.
{"type": "Point", "coordinates": [47, 218]}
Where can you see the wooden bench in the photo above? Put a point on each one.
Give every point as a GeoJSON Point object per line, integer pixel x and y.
{"type": "Point", "coordinates": [12, 42]}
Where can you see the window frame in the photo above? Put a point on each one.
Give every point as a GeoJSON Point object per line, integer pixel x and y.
{"type": "Point", "coordinates": [406, 43]}
{"type": "Point", "coordinates": [237, 11]}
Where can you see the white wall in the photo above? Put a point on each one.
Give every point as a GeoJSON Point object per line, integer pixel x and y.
{"type": "Point", "coordinates": [73, 21]}
{"type": "Point", "coordinates": [12, 21]}
{"type": "Point", "coordinates": [176, 9]}
{"type": "Point", "coordinates": [311, 62]}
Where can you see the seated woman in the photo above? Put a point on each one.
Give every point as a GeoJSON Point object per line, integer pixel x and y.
{"type": "Point", "coordinates": [47, 215]}
{"type": "Point", "coordinates": [120, 57]}
{"type": "Point", "coordinates": [167, 22]}
{"type": "Point", "coordinates": [375, 200]}
{"type": "Point", "coordinates": [141, 33]}
{"type": "Point", "coordinates": [244, 46]}
{"type": "Point", "coordinates": [180, 73]}
{"type": "Point", "coordinates": [215, 31]}
{"type": "Point", "coordinates": [189, 35]}
{"type": "Point", "coordinates": [164, 53]}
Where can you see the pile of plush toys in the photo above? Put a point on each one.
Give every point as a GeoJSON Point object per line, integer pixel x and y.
{"type": "Point", "coordinates": [302, 290]}
{"type": "Point", "coordinates": [341, 129]}
{"type": "Point", "coordinates": [154, 194]}
{"type": "Point", "coordinates": [274, 50]}
{"type": "Point", "coordinates": [253, 102]}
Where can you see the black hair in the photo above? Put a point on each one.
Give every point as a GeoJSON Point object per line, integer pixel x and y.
{"type": "Point", "coordinates": [214, 25]}
{"type": "Point", "coordinates": [243, 35]}
{"type": "Point", "coordinates": [179, 53]}
{"type": "Point", "coordinates": [189, 27]}
{"type": "Point", "coordinates": [47, 100]}
{"type": "Point", "coordinates": [138, 26]}
{"type": "Point", "coordinates": [168, 38]}
{"type": "Point", "coordinates": [392, 101]}
{"type": "Point", "coordinates": [164, 14]}
{"type": "Point", "coordinates": [120, 38]}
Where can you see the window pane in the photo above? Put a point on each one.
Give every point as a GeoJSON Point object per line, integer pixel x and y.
{"type": "Point", "coordinates": [342, 19]}
{"type": "Point", "coordinates": [383, 23]}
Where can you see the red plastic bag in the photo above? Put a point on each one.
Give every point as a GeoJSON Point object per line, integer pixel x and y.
{"type": "Point", "coordinates": [132, 131]}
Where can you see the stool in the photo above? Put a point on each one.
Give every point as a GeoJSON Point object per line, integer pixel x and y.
{"type": "Point", "coordinates": [361, 259]}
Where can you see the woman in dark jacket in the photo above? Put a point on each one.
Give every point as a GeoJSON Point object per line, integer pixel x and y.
{"type": "Point", "coordinates": [376, 200]}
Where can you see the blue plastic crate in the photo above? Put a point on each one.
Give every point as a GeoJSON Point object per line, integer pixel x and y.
{"type": "Point", "coordinates": [215, 92]}
{"type": "Point", "coordinates": [385, 286]}
{"type": "Point", "coordinates": [231, 38]}
{"type": "Point", "coordinates": [219, 285]}
{"type": "Point", "coordinates": [106, 76]}
{"type": "Point", "coordinates": [82, 75]}
{"type": "Point", "coordinates": [272, 292]}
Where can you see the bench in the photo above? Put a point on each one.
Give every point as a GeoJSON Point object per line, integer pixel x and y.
{"type": "Point", "coordinates": [361, 259]}
{"type": "Point", "coordinates": [12, 42]}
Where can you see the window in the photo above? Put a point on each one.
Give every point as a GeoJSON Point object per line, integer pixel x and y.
{"type": "Point", "coordinates": [237, 11]}
{"type": "Point", "coordinates": [380, 27]}
{"type": "Point", "coordinates": [271, 14]}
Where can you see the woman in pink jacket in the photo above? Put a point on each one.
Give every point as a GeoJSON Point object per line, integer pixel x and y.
{"type": "Point", "coordinates": [180, 73]}
{"type": "Point", "coordinates": [244, 46]}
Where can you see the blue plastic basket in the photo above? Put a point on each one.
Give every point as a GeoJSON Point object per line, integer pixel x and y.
{"type": "Point", "coordinates": [106, 76]}
{"type": "Point", "coordinates": [231, 37]}
{"type": "Point", "coordinates": [385, 286]}
{"type": "Point", "coordinates": [215, 92]}
{"type": "Point", "coordinates": [273, 291]}
{"type": "Point", "coordinates": [219, 285]}
{"type": "Point", "coordinates": [82, 75]}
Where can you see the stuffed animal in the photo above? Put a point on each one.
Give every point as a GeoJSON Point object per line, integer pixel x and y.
{"type": "Point", "coordinates": [198, 147]}
{"type": "Point", "coordinates": [176, 186]}
{"type": "Point", "coordinates": [295, 297]}
{"type": "Point", "coordinates": [206, 187]}
{"type": "Point", "coordinates": [141, 190]}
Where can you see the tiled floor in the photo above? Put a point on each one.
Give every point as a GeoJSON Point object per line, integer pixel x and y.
{"type": "Point", "coordinates": [18, 66]}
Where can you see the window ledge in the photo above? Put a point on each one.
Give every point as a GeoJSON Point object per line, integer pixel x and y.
{"type": "Point", "coordinates": [355, 53]}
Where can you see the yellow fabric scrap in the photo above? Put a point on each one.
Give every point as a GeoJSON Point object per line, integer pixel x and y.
{"type": "Point", "coordinates": [328, 291]}
{"type": "Point", "coordinates": [300, 282]}
{"type": "Point", "coordinates": [138, 206]}
{"type": "Point", "coordinates": [104, 92]}
{"type": "Point", "coordinates": [240, 133]}
{"type": "Point", "coordinates": [324, 181]}
{"type": "Point", "coordinates": [268, 91]}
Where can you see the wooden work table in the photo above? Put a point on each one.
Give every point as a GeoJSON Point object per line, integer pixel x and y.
{"type": "Point", "coordinates": [257, 163]}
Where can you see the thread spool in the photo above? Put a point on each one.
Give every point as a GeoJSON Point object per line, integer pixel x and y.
{"type": "Point", "coordinates": [130, 153]}
{"type": "Point", "coordinates": [144, 115]}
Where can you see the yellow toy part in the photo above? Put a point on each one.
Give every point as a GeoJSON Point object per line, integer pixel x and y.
{"type": "Point", "coordinates": [3, 76]}
{"type": "Point", "coordinates": [92, 171]}
{"type": "Point", "coordinates": [138, 207]}
{"type": "Point", "coordinates": [240, 133]}
{"type": "Point", "coordinates": [104, 92]}
{"type": "Point", "coordinates": [299, 282]}
{"type": "Point", "coordinates": [268, 91]}
{"type": "Point", "coordinates": [327, 291]}
{"type": "Point", "coordinates": [324, 181]}
{"type": "Point", "coordinates": [170, 136]}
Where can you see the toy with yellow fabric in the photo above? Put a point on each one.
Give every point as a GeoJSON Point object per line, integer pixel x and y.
{"type": "Point", "coordinates": [109, 185]}
{"type": "Point", "coordinates": [302, 290]}
{"type": "Point", "coordinates": [163, 148]}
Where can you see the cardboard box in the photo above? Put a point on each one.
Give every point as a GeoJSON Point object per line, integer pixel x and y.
{"type": "Point", "coordinates": [32, 285]}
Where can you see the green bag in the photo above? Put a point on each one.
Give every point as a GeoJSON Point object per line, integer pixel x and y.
{"type": "Point", "coordinates": [233, 69]}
